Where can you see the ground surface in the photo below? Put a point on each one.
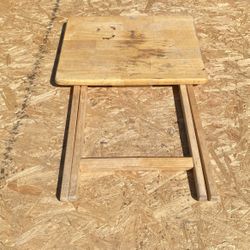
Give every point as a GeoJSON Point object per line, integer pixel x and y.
{"type": "Point", "coordinates": [121, 210]}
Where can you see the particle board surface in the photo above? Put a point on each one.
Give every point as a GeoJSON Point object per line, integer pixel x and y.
{"type": "Point", "coordinates": [134, 50]}
{"type": "Point", "coordinates": [122, 210]}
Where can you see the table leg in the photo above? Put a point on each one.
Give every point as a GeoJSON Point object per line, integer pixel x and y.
{"type": "Point", "coordinates": [210, 185]}
{"type": "Point", "coordinates": [74, 144]}
{"type": "Point", "coordinates": [198, 172]}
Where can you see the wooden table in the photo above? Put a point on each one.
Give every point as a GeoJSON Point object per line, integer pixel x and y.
{"type": "Point", "coordinates": [133, 51]}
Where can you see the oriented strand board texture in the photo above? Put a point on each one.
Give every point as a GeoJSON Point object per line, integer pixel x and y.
{"type": "Point", "coordinates": [121, 210]}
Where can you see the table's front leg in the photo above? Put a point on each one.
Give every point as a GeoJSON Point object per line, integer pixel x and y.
{"type": "Point", "coordinates": [194, 148]}
{"type": "Point", "coordinates": [74, 144]}
{"type": "Point", "coordinates": [207, 171]}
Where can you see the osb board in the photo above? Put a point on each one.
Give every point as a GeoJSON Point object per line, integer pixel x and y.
{"type": "Point", "coordinates": [121, 210]}
{"type": "Point", "coordinates": [130, 51]}
{"type": "Point", "coordinates": [133, 122]}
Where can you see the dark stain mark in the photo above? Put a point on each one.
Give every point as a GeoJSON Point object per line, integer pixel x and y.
{"type": "Point", "coordinates": [146, 53]}
{"type": "Point", "coordinates": [98, 29]}
{"type": "Point", "coordinates": [136, 36]}
{"type": "Point", "coordinates": [132, 34]}
{"type": "Point", "coordinates": [167, 65]}
{"type": "Point", "coordinates": [133, 39]}
{"type": "Point", "coordinates": [21, 113]}
{"type": "Point", "coordinates": [154, 52]}
{"type": "Point", "coordinates": [108, 37]}
{"type": "Point", "coordinates": [113, 27]}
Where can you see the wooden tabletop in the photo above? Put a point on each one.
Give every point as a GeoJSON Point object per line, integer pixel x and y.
{"type": "Point", "coordinates": [130, 51]}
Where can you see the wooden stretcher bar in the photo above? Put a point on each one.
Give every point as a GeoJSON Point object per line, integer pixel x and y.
{"type": "Point", "coordinates": [198, 172]}
{"type": "Point", "coordinates": [136, 164]}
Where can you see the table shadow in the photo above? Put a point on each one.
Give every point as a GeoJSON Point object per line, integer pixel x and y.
{"type": "Point", "coordinates": [58, 52]}
{"type": "Point", "coordinates": [53, 83]}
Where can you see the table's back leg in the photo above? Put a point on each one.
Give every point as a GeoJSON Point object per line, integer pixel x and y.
{"type": "Point", "coordinates": [74, 144]}
{"type": "Point", "coordinates": [210, 185]}
{"type": "Point", "coordinates": [198, 172]}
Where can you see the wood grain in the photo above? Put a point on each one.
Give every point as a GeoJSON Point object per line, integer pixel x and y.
{"type": "Point", "coordinates": [66, 178]}
{"type": "Point", "coordinates": [131, 51]}
{"type": "Point", "coordinates": [136, 163]}
{"type": "Point", "coordinates": [198, 172]}
{"type": "Point", "coordinates": [207, 171]}
{"type": "Point", "coordinates": [78, 144]}
{"type": "Point", "coordinates": [74, 142]}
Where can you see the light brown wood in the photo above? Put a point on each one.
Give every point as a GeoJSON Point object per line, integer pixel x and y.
{"type": "Point", "coordinates": [75, 140]}
{"type": "Point", "coordinates": [78, 143]}
{"type": "Point", "coordinates": [130, 51]}
{"type": "Point", "coordinates": [136, 163]}
{"type": "Point", "coordinates": [66, 178]}
{"type": "Point", "coordinates": [198, 172]}
{"type": "Point", "coordinates": [207, 171]}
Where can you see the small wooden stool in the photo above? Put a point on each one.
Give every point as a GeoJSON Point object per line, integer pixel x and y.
{"type": "Point", "coordinates": [132, 51]}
